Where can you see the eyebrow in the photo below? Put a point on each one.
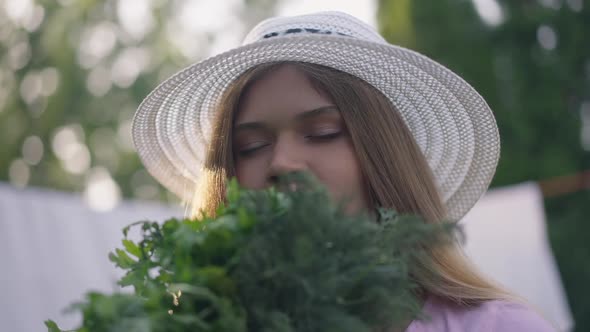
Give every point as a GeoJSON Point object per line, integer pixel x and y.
{"type": "Point", "coordinates": [301, 116]}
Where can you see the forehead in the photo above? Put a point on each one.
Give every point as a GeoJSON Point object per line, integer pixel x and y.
{"type": "Point", "coordinates": [278, 96]}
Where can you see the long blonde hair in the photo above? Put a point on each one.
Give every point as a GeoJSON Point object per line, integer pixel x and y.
{"type": "Point", "coordinates": [396, 172]}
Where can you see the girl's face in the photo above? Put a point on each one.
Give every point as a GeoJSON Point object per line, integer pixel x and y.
{"type": "Point", "coordinates": [284, 125]}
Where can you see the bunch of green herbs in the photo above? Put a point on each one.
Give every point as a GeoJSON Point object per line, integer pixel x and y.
{"type": "Point", "coordinates": [281, 261]}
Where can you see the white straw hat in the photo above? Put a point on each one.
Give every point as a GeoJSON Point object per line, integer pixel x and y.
{"type": "Point", "coordinates": [450, 121]}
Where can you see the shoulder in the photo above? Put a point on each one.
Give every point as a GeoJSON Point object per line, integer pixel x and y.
{"type": "Point", "coordinates": [512, 316]}
{"type": "Point", "coordinates": [489, 316]}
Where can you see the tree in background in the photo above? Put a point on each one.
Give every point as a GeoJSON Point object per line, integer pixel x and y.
{"type": "Point", "coordinates": [531, 62]}
{"type": "Point", "coordinates": [72, 73]}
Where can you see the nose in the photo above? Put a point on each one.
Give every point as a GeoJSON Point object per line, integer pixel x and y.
{"type": "Point", "coordinates": [287, 158]}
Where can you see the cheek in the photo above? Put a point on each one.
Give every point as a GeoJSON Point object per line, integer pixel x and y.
{"type": "Point", "coordinates": [250, 174]}
{"type": "Point", "coordinates": [339, 170]}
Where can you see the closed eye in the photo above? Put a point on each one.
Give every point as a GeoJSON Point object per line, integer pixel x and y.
{"type": "Point", "coordinates": [250, 149]}
{"type": "Point", "coordinates": [324, 137]}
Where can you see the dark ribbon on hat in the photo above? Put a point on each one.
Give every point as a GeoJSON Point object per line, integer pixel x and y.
{"type": "Point", "coordinates": [303, 30]}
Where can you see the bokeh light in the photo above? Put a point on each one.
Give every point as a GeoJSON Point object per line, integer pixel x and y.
{"type": "Point", "coordinates": [19, 173]}
{"type": "Point", "coordinates": [575, 5]}
{"type": "Point", "coordinates": [24, 13]}
{"type": "Point", "coordinates": [101, 193]}
{"type": "Point", "coordinates": [136, 17]}
{"type": "Point", "coordinates": [96, 42]}
{"type": "Point", "coordinates": [31, 87]}
{"type": "Point", "coordinates": [68, 145]}
{"type": "Point", "coordinates": [128, 65]}
{"type": "Point", "coordinates": [489, 11]}
{"type": "Point", "coordinates": [547, 37]}
{"type": "Point", "coordinates": [98, 81]}
{"type": "Point", "coordinates": [32, 150]}
{"type": "Point", "coordinates": [19, 55]}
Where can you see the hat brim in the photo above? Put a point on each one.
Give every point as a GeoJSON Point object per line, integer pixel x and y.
{"type": "Point", "coordinates": [451, 122]}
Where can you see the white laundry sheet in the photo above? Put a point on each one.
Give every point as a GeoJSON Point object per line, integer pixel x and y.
{"type": "Point", "coordinates": [53, 249]}
{"type": "Point", "coordinates": [506, 237]}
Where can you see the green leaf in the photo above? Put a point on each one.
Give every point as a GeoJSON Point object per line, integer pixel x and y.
{"type": "Point", "coordinates": [132, 248]}
{"type": "Point", "coordinates": [121, 259]}
{"type": "Point", "coordinates": [52, 326]}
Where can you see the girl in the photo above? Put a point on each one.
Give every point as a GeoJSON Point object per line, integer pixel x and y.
{"type": "Point", "coordinates": [377, 124]}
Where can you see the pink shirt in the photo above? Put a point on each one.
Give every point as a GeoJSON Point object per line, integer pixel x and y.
{"type": "Point", "coordinates": [490, 316]}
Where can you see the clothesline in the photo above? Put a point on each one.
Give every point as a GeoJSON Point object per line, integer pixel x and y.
{"type": "Point", "coordinates": [566, 184]}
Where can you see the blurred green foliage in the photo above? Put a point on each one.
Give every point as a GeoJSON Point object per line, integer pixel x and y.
{"type": "Point", "coordinates": [72, 73]}
{"type": "Point", "coordinates": [531, 62]}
